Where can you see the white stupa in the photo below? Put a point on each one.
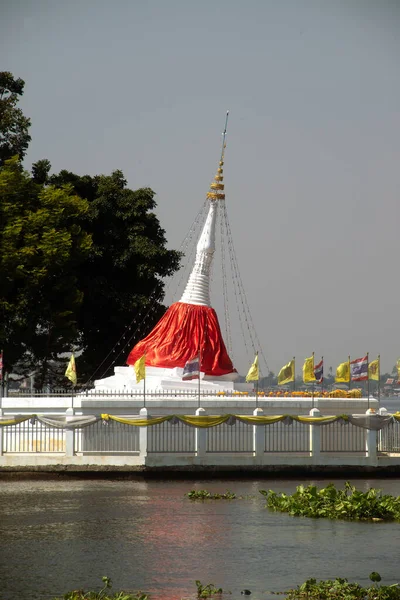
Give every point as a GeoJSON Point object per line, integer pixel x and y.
{"type": "Point", "coordinates": [189, 328]}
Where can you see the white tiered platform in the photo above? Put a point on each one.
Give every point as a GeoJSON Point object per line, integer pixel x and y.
{"type": "Point", "coordinates": [169, 379]}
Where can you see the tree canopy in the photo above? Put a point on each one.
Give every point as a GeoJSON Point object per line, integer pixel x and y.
{"type": "Point", "coordinates": [81, 257]}
{"type": "Point", "coordinates": [14, 126]}
{"type": "Point", "coordinates": [124, 271]}
{"type": "Point", "coordinates": [42, 244]}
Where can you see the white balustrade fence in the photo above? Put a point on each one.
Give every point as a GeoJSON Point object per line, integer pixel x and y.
{"type": "Point", "coordinates": [32, 437]}
{"type": "Point", "coordinates": [342, 436]}
{"type": "Point", "coordinates": [171, 437]}
{"type": "Point", "coordinates": [173, 442]}
{"type": "Point", "coordinates": [287, 437]}
{"type": "Point", "coordinates": [107, 437]}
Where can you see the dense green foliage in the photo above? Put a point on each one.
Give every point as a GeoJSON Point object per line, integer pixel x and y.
{"type": "Point", "coordinates": [207, 591]}
{"type": "Point", "coordinates": [14, 126]}
{"type": "Point", "coordinates": [122, 276]}
{"type": "Point", "coordinates": [330, 589]}
{"type": "Point", "coordinates": [341, 589]}
{"type": "Point", "coordinates": [203, 591]}
{"type": "Point", "coordinates": [103, 594]}
{"type": "Point", "coordinates": [205, 495]}
{"type": "Point", "coordinates": [41, 245]}
{"type": "Point", "coordinates": [81, 261]}
{"type": "Point", "coordinates": [332, 503]}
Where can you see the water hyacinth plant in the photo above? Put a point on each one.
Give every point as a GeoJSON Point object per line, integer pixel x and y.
{"type": "Point", "coordinates": [103, 594]}
{"type": "Point", "coordinates": [207, 591]}
{"type": "Point", "coordinates": [205, 495]}
{"type": "Point", "coordinates": [332, 503]}
{"type": "Point", "coordinates": [341, 589]}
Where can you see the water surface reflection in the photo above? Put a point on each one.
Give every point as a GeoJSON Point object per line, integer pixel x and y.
{"type": "Point", "coordinates": [63, 534]}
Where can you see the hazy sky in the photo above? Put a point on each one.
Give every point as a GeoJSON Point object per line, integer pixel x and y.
{"type": "Point", "coordinates": [313, 153]}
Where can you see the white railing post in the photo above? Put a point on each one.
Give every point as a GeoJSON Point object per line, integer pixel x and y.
{"type": "Point", "coordinates": [315, 436]}
{"type": "Point", "coordinates": [143, 435]}
{"type": "Point", "coordinates": [371, 445]}
{"type": "Point", "coordinates": [201, 436]}
{"type": "Point", "coordinates": [69, 434]}
{"type": "Point", "coordinates": [1, 435]}
{"type": "Point", "coordinates": [258, 435]}
{"type": "Point", "coordinates": [381, 411]}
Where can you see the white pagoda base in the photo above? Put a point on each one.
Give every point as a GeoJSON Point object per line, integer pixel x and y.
{"type": "Point", "coordinates": [158, 379]}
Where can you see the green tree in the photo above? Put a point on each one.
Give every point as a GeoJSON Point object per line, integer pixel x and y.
{"type": "Point", "coordinates": [42, 244]}
{"type": "Point", "coordinates": [14, 126]}
{"type": "Point", "coordinates": [122, 278]}
{"type": "Point", "coordinates": [41, 170]}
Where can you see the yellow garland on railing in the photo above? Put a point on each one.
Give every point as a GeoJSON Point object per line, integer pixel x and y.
{"type": "Point", "coordinates": [137, 422]}
{"type": "Point", "coordinates": [15, 420]}
{"type": "Point", "coordinates": [208, 421]}
{"type": "Point", "coordinates": [319, 419]}
{"type": "Point", "coordinates": [260, 420]}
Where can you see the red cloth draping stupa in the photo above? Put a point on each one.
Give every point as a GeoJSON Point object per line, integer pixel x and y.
{"type": "Point", "coordinates": [178, 336]}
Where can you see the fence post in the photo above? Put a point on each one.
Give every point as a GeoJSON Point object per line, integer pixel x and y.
{"type": "Point", "coordinates": [315, 436]}
{"type": "Point", "coordinates": [1, 434]}
{"type": "Point", "coordinates": [143, 435]}
{"type": "Point", "coordinates": [371, 440]}
{"type": "Point", "coordinates": [258, 435]}
{"type": "Point", "coordinates": [201, 436]}
{"type": "Point", "coordinates": [381, 435]}
{"type": "Point", "coordinates": [69, 434]}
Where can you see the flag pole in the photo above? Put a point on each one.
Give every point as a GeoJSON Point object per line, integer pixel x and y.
{"type": "Point", "coordinates": [294, 373]}
{"type": "Point", "coordinates": [1, 378]}
{"type": "Point", "coordinates": [144, 382]}
{"type": "Point", "coordinates": [349, 374]}
{"type": "Point", "coordinates": [312, 405]}
{"type": "Point", "coordinates": [198, 399]}
{"type": "Point", "coordinates": [379, 380]}
{"type": "Point", "coordinates": [368, 377]}
{"type": "Point", "coordinates": [258, 374]}
{"type": "Point", "coordinates": [322, 382]}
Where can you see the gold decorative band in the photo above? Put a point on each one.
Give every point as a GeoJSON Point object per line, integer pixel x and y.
{"type": "Point", "coordinates": [215, 196]}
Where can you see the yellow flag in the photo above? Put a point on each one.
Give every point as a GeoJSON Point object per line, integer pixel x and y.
{"type": "Point", "coordinates": [253, 374]}
{"type": "Point", "coordinates": [140, 368]}
{"type": "Point", "coordinates": [308, 370]}
{"type": "Point", "coordinates": [374, 369]}
{"type": "Point", "coordinates": [286, 374]}
{"type": "Point", "coordinates": [71, 370]}
{"type": "Point", "coordinates": [398, 369]}
{"type": "Point", "coordinates": [343, 372]}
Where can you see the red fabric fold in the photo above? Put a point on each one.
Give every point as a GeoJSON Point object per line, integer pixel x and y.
{"type": "Point", "coordinates": [176, 339]}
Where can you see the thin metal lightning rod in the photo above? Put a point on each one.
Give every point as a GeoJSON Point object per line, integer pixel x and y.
{"type": "Point", "coordinates": [224, 134]}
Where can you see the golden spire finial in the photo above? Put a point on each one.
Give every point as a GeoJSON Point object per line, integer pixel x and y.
{"type": "Point", "coordinates": [217, 186]}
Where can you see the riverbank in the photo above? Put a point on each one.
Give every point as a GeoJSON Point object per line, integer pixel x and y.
{"type": "Point", "coordinates": [266, 472]}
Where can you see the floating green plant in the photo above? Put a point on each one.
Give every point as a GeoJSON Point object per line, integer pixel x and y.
{"type": "Point", "coordinates": [333, 503]}
{"type": "Point", "coordinates": [341, 589]}
{"type": "Point", "coordinates": [205, 495]}
{"type": "Point", "coordinates": [103, 594]}
{"type": "Point", "coordinates": [207, 591]}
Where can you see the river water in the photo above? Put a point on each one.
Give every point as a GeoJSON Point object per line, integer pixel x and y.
{"type": "Point", "coordinates": [59, 534]}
